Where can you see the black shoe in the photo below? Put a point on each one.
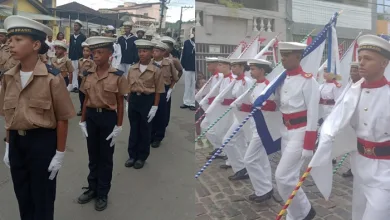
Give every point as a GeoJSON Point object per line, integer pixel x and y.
{"type": "Point", "coordinates": [184, 106]}
{"type": "Point", "coordinates": [240, 175]}
{"type": "Point", "coordinates": [347, 174]}
{"type": "Point", "coordinates": [130, 162]}
{"type": "Point", "coordinates": [217, 157]}
{"type": "Point", "coordinates": [213, 152]}
{"type": "Point", "coordinates": [87, 196]}
{"type": "Point", "coordinates": [79, 113]}
{"type": "Point", "coordinates": [75, 90]}
{"type": "Point", "coordinates": [252, 197]}
{"type": "Point", "coordinates": [139, 164]}
{"type": "Point", "coordinates": [192, 108]}
{"type": "Point", "coordinates": [101, 203]}
{"type": "Point", "coordinates": [263, 198]}
{"type": "Point", "coordinates": [155, 144]}
{"type": "Point", "coordinates": [311, 214]}
{"type": "Point", "coordinates": [224, 166]}
{"type": "Point", "coordinates": [334, 161]}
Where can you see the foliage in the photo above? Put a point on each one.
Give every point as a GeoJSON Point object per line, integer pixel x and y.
{"type": "Point", "coordinates": [231, 4]}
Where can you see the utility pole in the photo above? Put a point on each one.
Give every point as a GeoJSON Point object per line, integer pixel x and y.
{"type": "Point", "coordinates": [162, 8]}
{"type": "Point", "coordinates": [181, 17]}
{"type": "Point", "coordinates": [15, 7]}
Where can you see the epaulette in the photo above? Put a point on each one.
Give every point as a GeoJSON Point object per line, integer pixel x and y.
{"type": "Point", "coordinates": [118, 72]}
{"type": "Point", "coordinates": [156, 64]}
{"type": "Point", "coordinates": [52, 70]}
{"type": "Point", "coordinates": [85, 73]}
{"type": "Point", "coordinates": [307, 75]}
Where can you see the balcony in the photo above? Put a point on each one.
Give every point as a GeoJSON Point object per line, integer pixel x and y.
{"type": "Point", "coordinates": [218, 24]}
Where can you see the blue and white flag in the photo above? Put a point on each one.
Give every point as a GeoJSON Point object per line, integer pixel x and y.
{"type": "Point", "coordinates": [311, 60]}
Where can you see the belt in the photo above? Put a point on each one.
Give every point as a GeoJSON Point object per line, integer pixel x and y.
{"type": "Point", "coordinates": [246, 108]}
{"type": "Point", "coordinates": [140, 94]}
{"type": "Point", "coordinates": [295, 120]}
{"type": "Point", "coordinates": [211, 100]}
{"type": "Point", "coordinates": [327, 101]}
{"type": "Point", "coordinates": [22, 132]}
{"type": "Point", "coordinates": [228, 101]}
{"type": "Point", "coordinates": [374, 150]}
{"type": "Point", "coordinates": [100, 109]}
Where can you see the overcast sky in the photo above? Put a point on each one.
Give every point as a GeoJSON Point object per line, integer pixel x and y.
{"type": "Point", "coordinates": [173, 13]}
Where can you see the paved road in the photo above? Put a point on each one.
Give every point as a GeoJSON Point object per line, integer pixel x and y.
{"type": "Point", "coordinates": [162, 190]}
{"type": "Point", "coordinates": [219, 198]}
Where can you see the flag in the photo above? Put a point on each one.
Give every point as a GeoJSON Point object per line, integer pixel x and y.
{"type": "Point", "coordinates": [341, 50]}
{"type": "Point", "coordinates": [310, 62]}
{"type": "Point", "coordinates": [237, 51]}
{"type": "Point", "coordinates": [251, 50]}
{"type": "Point", "coordinates": [309, 40]}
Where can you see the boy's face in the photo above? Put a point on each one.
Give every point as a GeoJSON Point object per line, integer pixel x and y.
{"type": "Point", "coordinates": [101, 55]}
{"type": "Point", "coordinates": [145, 55]}
{"type": "Point", "coordinates": [86, 52]}
{"type": "Point", "coordinates": [158, 53]}
{"type": "Point", "coordinates": [21, 46]}
{"type": "Point", "coordinates": [60, 50]}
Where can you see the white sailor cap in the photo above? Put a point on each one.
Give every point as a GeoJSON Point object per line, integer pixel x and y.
{"type": "Point", "coordinates": [141, 29]}
{"type": "Point", "coordinates": [3, 31]}
{"type": "Point", "coordinates": [149, 33]}
{"type": "Point", "coordinates": [259, 62]}
{"type": "Point", "coordinates": [78, 22]}
{"type": "Point", "coordinates": [374, 43]}
{"type": "Point", "coordinates": [16, 24]}
{"type": "Point", "coordinates": [144, 44]}
{"type": "Point", "coordinates": [59, 43]}
{"type": "Point", "coordinates": [102, 32]}
{"type": "Point", "coordinates": [238, 61]}
{"type": "Point", "coordinates": [355, 64]}
{"type": "Point", "coordinates": [94, 30]}
{"type": "Point", "coordinates": [128, 23]}
{"type": "Point", "coordinates": [160, 45]}
{"type": "Point", "coordinates": [110, 28]}
{"type": "Point", "coordinates": [83, 44]}
{"type": "Point", "coordinates": [100, 42]}
{"type": "Point", "coordinates": [167, 39]}
{"type": "Point", "coordinates": [288, 47]}
{"type": "Point", "coordinates": [212, 60]}
{"type": "Point", "coordinates": [223, 60]}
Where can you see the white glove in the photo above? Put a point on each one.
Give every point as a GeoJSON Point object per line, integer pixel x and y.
{"type": "Point", "coordinates": [83, 126]}
{"type": "Point", "coordinates": [152, 113]}
{"type": "Point", "coordinates": [117, 130]}
{"type": "Point", "coordinates": [307, 154]}
{"type": "Point", "coordinates": [69, 87]}
{"type": "Point", "coordinates": [6, 158]}
{"type": "Point", "coordinates": [127, 107]}
{"type": "Point", "coordinates": [169, 94]}
{"type": "Point", "coordinates": [56, 164]}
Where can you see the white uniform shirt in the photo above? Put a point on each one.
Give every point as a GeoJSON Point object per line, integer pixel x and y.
{"type": "Point", "coordinates": [328, 91]}
{"type": "Point", "coordinates": [371, 122]}
{"type": "Point", "coordinates": [116, 56]}
{"type": "Point", "coordinates": [210, 84]}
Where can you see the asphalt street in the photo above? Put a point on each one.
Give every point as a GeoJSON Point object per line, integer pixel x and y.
{"type": "Point", "coordinates": [162, 190]}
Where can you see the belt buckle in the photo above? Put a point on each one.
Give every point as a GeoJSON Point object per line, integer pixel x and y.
{"type": "Point", "coordinates": [22, 133]}
{"type": "Point", "coordinates": [99, 110]}
{"type": "Point", "coordinates": [138, 93]}
{"type": "Point", "coordinates": [369, 151]}
{"type": "Point", "coordinates": [287, 123]}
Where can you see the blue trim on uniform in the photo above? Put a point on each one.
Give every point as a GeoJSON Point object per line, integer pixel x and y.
{"type": "Point", "coordinates": [118, 72]}
{"type": "Point", "coordinates": [52, 70]}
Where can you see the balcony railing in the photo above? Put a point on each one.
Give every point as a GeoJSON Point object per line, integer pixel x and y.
{"type": "Point", "coordinates": [263, 24]}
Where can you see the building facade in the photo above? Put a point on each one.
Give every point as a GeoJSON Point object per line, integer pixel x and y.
{"type": "Point", "coordinates": [219, 29]}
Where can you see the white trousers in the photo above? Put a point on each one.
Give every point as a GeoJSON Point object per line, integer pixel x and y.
{"type": "Point", "coordinates": [288, 173]}
{"type": "Point", "coordinates": [189, 90]}
{"type": "Point", "coordinates": [257, 164]}
{"type": "Point", "coordinates": [75, 64]}
{"type": "Point", "coordinates": [370, 203]}
{"type": "Point", "coordinates": [125, 68]}
{"type": "Point", "coordinates": [235, 149]}
{"type": "Point", "coordinates": [211, 135]}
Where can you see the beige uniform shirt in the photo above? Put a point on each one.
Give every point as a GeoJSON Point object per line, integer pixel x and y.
{"type": "Point", "coordinates": [63, 64]}
{"type": "Point", "coordinates": [84, 65]}
{"type": "Point", "coordinates": [40, 104]}
{"type": "Point", "coordinates": [150, 81]}
{"type": "Point", "coordinates": [168, 71]}
{"type": "Point", "coordinates": [6, 60]}
{"type": "Point", "coordinates": [176, 63]}
{"type": "Point", "coordinates": [102, 91]}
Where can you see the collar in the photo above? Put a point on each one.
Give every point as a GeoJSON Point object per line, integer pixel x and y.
{"type": "Point", "coordinates": [215, 73]}
{"type": "Point", "coordinates": [39, 70]}
{"type": "Point", "coordinates": [263, 81]}
{"type": "Point", "coordinates": [295, 71]}
{"type": "Point", "coordinates": [376, 84]}
{"type": "Point", "coordinates": [228, 76]}
{"type": "Point", "coordinates": [150, 66]}
{"type": "Point", "coordinates": [241, 77]}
